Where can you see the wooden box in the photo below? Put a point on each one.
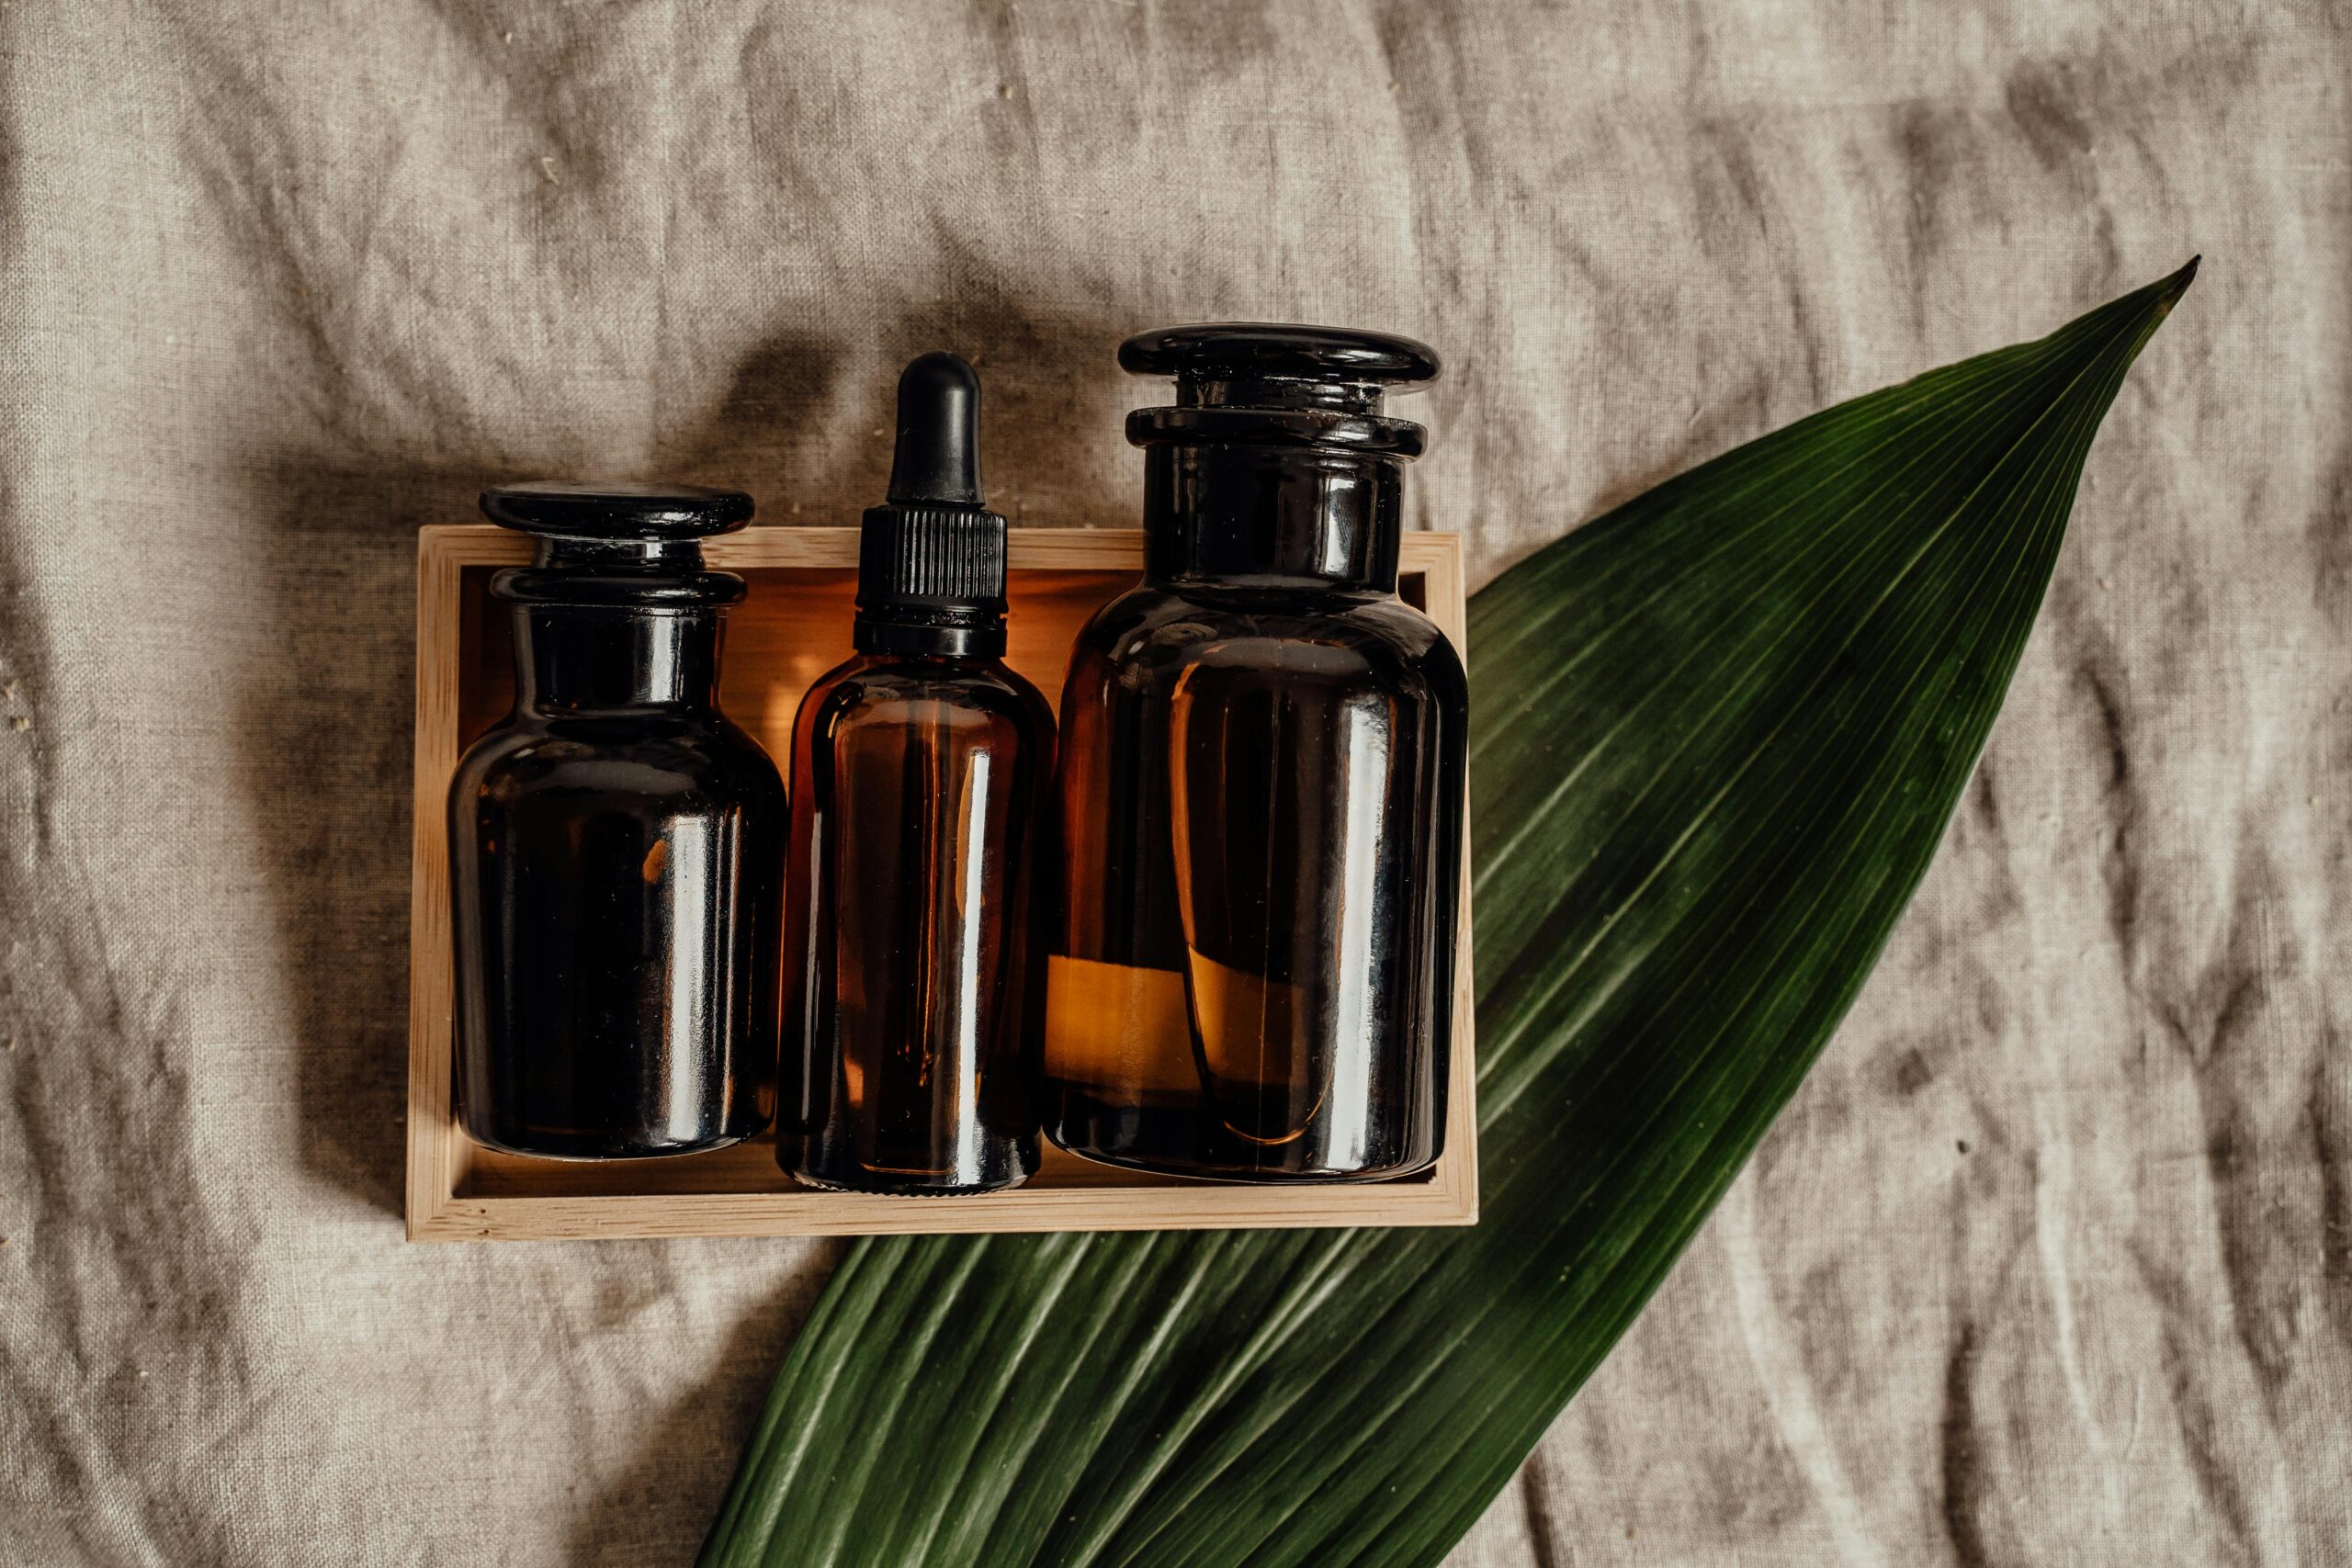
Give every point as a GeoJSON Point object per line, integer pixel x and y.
{"type": "Point", "coordinates": [792, 627]}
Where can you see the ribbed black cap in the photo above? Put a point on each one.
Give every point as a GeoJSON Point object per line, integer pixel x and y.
{"type": "Point", "coordinates": [931, 562]}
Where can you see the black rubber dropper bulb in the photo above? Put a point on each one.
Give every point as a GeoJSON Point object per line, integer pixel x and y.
{"type": "Point", "coordinates": [931, 563]}
{"type": "Point", "coordinates": [937, 461]}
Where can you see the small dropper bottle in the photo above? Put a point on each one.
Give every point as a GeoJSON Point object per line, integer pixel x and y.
{"type": "Point", "coordinates": [913, 1000]}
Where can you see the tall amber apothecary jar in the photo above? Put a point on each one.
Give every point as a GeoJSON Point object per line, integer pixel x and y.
{"type": "Point", "coordinates": [1261, 787]}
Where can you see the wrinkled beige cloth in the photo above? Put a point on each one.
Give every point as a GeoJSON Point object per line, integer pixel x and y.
{"type": "Point", "coordinates": [2051, 1261]}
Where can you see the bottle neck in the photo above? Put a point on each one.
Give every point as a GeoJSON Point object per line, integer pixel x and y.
{"type": "Point", "coordinates": [951, 636]}
{"type": "Point", "coordinates": [586, 658]}
{"type": "Point", "coordinates": [1305, 519]}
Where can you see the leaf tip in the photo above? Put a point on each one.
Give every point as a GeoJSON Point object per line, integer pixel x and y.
{"type": "Point", "coordinates": [2173, 287]}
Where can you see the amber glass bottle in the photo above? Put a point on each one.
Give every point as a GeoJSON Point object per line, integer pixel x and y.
{"type": "Point", "coordinates": [1261, 787]}
{"type": "Point", "coordinates": [615, 846]}
{"type": "Point", "coordinates": [921, 773]}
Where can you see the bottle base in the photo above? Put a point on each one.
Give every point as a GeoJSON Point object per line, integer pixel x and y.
{"type": "Point", "coordinates": [578, 1148]}
{"type": "Point", "coordinates": [835, 1168]}
{"type": "Point", "coordinates": [896, 1186]}
{"type": "Point", "coordinates": [1190, 1142]}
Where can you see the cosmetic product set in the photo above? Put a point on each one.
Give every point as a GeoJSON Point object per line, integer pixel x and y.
{"type": "Point", "coordinates": [1204, 927]}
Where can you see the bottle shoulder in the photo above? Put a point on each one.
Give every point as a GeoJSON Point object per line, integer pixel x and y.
{"type": "Point", "coordinates": [886, 689]}
{"type": "Point", "coordinates": [699, 752]}
{"type": "Point", "coordinates": [1154, 627]}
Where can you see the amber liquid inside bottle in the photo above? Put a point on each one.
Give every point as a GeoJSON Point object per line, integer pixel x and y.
{"type": "Point", "coordinates": [918, 798]}
{"type": "Point", "coordinates": [1261, 806]}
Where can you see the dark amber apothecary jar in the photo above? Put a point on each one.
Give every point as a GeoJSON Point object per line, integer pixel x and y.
{"type": "Point", "coordinates": [1261, 783]}
{"type": "Point", "coordinates": [616, 845]}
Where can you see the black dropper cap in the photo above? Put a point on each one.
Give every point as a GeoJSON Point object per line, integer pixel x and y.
{"type": "Point", "coordinates": [931, 563]}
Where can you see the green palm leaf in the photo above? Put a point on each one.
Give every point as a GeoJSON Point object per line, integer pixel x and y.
{"type": "Point", "coordinates": [1716, 737]}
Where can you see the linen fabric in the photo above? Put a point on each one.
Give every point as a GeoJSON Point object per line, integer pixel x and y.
{"type": "Point", "coordinates": [2051, 1262]}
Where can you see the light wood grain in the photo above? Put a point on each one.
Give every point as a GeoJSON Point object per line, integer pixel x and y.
{"type": "Point", "coordinates": [790, 629]}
